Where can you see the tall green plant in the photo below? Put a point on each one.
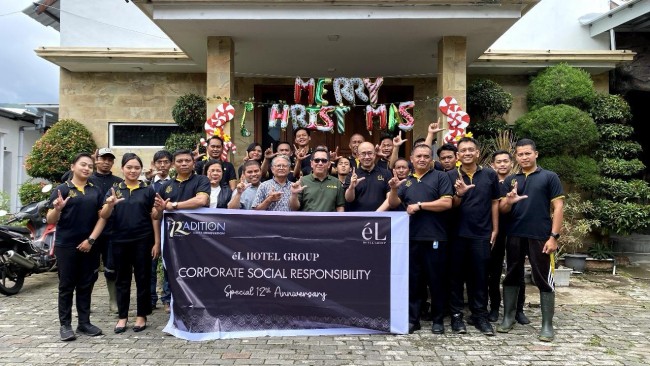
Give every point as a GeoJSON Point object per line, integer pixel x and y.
{"type": "Point", "coordinates": [53, 152]}
{"type": "Point", "coordinates": [189, 112]}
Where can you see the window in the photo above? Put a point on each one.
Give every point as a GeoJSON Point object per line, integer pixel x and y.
{"type": "Point", "coordinates": [140, 135]}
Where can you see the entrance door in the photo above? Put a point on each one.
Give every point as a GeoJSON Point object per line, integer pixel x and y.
{"type": "Point", "coordinates": [355, 120]}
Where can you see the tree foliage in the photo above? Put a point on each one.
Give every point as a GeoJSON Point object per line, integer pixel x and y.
{"type": "Point", "coordinates": [608, 108]}
{"type": "Point", "coordinates": [189, 112]}
{"type": "Point", "coordinates": [487, 100]}
{"type": "Point", "coordinates": [558, 129]}
{"type": "Point", "coordinates": [581, 171]}
{"type": "Point", "coordinates": [52, 154]}
{"type": "Point", "coordinates": [186, 140]}
{"type": "Point", "coordinates": [561, 84]}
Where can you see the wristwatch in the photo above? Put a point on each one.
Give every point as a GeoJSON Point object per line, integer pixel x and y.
{"type": "Point", "coordinates": [420, 205]}
{"type": "Point", "coordinates": [91, 241]}
{"type": "Point", "coordinates": [174, 205]}
{"type": "Point", "coordinates": [556, 236]}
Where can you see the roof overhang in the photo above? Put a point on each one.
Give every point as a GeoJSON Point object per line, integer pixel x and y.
{"type": "Point", "coordinates": [45, 12]}
{"type": "Point", "coordinates": [531, 61]}
{"type": "Point", "coordinates": [631, 16]}
{"type": "Point", "coordinates": [332, 38]}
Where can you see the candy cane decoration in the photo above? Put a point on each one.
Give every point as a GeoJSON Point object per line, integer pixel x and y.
{"type": "Point", "coordinates": [309, 86]}
{"type": "Point", "coordinates": [275, 115]}
{"type": "Point", "coordinates": [373, 88]}
{"type": "Point", "coordinates": [406, 116]}
{"type": "Point", "coordinates": [375, 112]}
{"type": "Point", "coordinates": [457, 119]}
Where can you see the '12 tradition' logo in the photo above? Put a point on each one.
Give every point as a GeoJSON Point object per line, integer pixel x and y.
{"type": "Point", "coordinates": [182, 228]}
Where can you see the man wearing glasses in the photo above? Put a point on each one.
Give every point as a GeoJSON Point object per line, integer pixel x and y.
{"type": "Point", "coordinates": [367, 186]}
{"type": "Point", "coordinates": [318, 191]}
{"type": "Point", "coordinates": [273, 195]}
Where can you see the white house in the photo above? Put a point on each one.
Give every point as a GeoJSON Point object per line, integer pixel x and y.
{"type": "Point", "coordinates": [124, 64]}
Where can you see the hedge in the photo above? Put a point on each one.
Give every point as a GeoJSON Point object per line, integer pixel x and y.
{"type": "Point", "coordinates": [561, 84]}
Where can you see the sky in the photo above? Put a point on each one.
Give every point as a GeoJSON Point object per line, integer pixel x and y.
{"type": "Point", "coordinates": [25, 77]}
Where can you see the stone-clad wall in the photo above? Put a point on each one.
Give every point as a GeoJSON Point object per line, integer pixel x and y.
{"type": "Point", "coordinates": [95, 99]}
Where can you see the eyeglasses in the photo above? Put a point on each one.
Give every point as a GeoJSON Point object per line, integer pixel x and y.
{"type": "Point", "coordinates": [367, 153]}
{"type": "Point", "coordinates": [281, 166]}
{"type": "Point", "coordinates": [320, 161]}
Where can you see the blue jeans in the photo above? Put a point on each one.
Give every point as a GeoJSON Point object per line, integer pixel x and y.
{"type": "Point", "coordinates": [166, 294]}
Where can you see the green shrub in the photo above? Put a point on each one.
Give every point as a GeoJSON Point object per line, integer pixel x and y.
{"type": "Point", "coordinates": [486, 100]}
{"type": "Point", "coordinates": [177, 141]}
{"type": "Point", "coordinates": [190, 112]}
{"type": "Point", "coordinates": [600, 251]}
{"type": "Point", "coordinates": [487, 128]}
{"type": "Point", "coordinates": [558, 129]}
{"type": "Point", "coordinates": [31, 192]}
{"type": "Point", "coordinates": [621, 168]}
{"type": "Point", "coordinates": [623, 191]}
{"type": "Point", "coordinates": [621, 218]}
{"type": "Point", "coordinates": [52, 154]}
{"type": "Point", "coordinates": [561, 84]}
{"type": "Point", "coordinates": [615, 131]}
{"type": "Point", "coordinates": [608, 108]}
{"type": "Point", "coordinates": [619, 149]}
{"type": "Point", "coordinates": [582, 171]}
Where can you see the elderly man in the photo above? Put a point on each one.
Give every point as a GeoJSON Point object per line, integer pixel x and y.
{"type": "Point", "coordinates": [367, 186]}
{"type": "Point", "coordinates": [274, 194]}
{"type": "Point", "coordinates": [318, 191]}
{"type": "Point", "coordinates": [426, 194]}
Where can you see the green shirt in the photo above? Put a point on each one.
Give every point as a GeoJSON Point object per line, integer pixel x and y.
{"type": "Point", "coordinates": [321, 196]}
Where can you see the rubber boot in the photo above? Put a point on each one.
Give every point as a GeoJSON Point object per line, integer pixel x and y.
{"type": "Point", "coordinates": [547, 302]}
{"type": "Point", "coordinates": [510, 294]}
{"type": "Point", "coordinates": [112, 298]}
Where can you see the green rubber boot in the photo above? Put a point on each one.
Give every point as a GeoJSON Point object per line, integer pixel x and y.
{"type": "Point", "coordinates": [510, 294]}
{"type": "Point", "coordinates": [547, 302]}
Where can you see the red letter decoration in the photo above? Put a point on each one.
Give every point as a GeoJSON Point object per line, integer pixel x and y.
{"type": "Point", "coordinates": [309, 86]}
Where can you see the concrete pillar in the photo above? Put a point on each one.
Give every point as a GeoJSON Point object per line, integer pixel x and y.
{"type": "Point", "coordinates": [452, 73]}
{"type": "Point", "coordinates": [220, 75]}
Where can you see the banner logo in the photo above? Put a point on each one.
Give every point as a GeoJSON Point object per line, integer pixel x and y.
{"type": "Point", "coordinates": [370, 234]}
{"type": "Point", "coordinates": [183, 228]}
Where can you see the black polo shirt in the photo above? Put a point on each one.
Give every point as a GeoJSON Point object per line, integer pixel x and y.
{"type": "Point", "coordinates": [132, 217]}
{"type": "Point", "coordinates": [80, 214]}
{"type": "Point", "coordinates": [424, 224]}
{"type": "Point", "coordinates": [370, 193]}
{"type": "Point", "coordinates": [104, 182]}
{"type": "Point", "coordinates": [475, 209]}
{"type": "Point", "coordinates": [229, 172]}
{"type": "Point", "coordinates": [180, 191]}
{"type": "Point", "coordinates": [531, 217]}
{"type": "Point", "coordinates": [382, 164]}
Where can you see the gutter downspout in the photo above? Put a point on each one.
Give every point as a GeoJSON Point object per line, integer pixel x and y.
{"type": "Point", "coordinates": [21, 143]}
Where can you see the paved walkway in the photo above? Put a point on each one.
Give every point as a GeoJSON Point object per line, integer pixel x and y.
{"type": "Point", "coordinates": [600, 320]}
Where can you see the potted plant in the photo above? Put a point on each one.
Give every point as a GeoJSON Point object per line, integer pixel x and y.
{"type": "Point", "coordinates": [601, 258]}
{"type": "Point", "coordinates": [575, 228]}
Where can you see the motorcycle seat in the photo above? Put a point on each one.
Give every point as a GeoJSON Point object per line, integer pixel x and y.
{"type": "Point", "coordinates": [16, 229]}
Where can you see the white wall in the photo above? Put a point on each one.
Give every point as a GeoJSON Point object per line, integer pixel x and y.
{"type": "Point", "coordinates": [9, 131]}
{"type": "Point", "coordinates": [108, 23]}
{"type": "Point", "coordinates": [554, 25]}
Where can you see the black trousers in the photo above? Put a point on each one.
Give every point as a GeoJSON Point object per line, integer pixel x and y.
{"type": "Point", "coordinates": [77, 273]}
{"type": "Point", "coordinates": [133, 258]}
{"type": "Point", "coordinates": [516, 250]}
{"type": "Point", "coordinates": [427, 265]}
{"type": "Point", "coordinates": [469, 259]}
{"type": "Point", "coordinates": [495, 268]}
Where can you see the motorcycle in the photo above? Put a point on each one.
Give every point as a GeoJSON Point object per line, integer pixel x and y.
{"type": "Point", "coordinates": [24, 251]}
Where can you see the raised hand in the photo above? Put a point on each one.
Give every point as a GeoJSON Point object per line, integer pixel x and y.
{"type": "Point", "coordinates": [434, 127]}
{"type": "Point", "coordinates": [395, 182]}
{"type": "Point", "coordinates": [242, 185]}
{"type": "Point", "coordinates": [334, 155]}
{"type": "Point", "coordinates": [354, 180]}
{"type": "Point", "coordinates": [461, 187]}
{"type": "Point", "coordinates": [113, 200]}
{"type": "Point", "coordinates": [301, 154]}
{"type": "Point", "coordinates": [379, 153]}
{"type": "Point", "coordinates": [297, 187]}
{"type": "Point", "coordinates": [59, 203]}
{"type": "Point", "coordinates": [269, 154]}
{"type": "Point", "coordinates": [397, 140]}
{"type": "Point", "coordinates": [159, 204]}
{"type": "Point", "coordinates": [513, 197]}
{"type": "Point", "coordinates": [274, 196]}
{"type": "Point", "coordinates": [196, 154]}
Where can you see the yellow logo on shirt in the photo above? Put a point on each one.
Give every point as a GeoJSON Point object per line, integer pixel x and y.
{"type": "Point", "coordinates": [331, 186]}
{"type": "Point", "coordinates": [168, 189]}
{"type": "Point", "coordinates": [118, 193]}
{"type": "Point", "coordinates": [408, 183]}
{"type": "Point", "coordinates": [380, 177]}
{"type": "Point", "coordinates": [72, 194]}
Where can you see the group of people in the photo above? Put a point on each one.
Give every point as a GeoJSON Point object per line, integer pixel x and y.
{"type": "Point", "coordinates": [464, 218]}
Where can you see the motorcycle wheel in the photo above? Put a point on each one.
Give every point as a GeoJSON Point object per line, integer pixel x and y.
{"type": "Point", "coordinates": [11, 281]}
